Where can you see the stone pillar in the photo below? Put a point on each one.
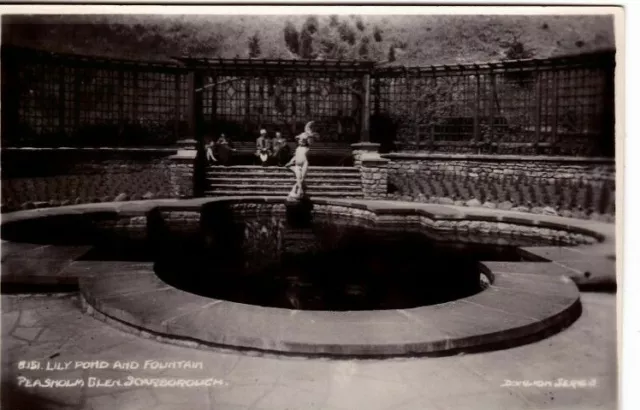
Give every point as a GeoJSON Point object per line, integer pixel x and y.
{"type": "Point", "coordinates": [361, 148]}
{"type": "Point", "coordinates": [373, 169]}
{"type": "Point", "coordinates": [182, 167]}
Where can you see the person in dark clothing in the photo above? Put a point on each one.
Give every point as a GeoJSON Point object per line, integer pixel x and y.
{"type": "Point", "coordinates": [224, 148]}
{"type": "Point", "coordinates": [281, 151]}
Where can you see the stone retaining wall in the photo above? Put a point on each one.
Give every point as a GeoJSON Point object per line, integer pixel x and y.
{"type": "Point", "coordinates": [151, 220]}
{"type": "Point", "coordinates": [484, 231]}
{"type": "Point", "coordinates": [373, 170]}
{"type": "Point", "coordinates": [568, 186]}
{"type": "Point", "coordinates": [33, 178]}
{"type": "Point", "coordinates": [494, 166]}
{"type": "Point", "coordinates": [461, 230]}
{"type": "Point", "coordinates": [374, 179]}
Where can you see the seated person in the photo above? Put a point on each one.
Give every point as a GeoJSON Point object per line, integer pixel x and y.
{"type": "Point", "coordinates": [263, 147]}
{"type": "Point", "coordinates": [224, 148]}
{"type": "Point", "coordinates": [209, 146]}
{"type": "Point", "coordinates": [280, 149]}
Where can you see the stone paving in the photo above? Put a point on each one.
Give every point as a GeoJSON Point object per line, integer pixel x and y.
{"type": "Point", "coordinates": [52, 329]}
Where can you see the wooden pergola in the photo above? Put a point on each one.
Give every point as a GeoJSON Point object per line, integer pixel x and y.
{"type": "Point", "coordinates": [259, 91]}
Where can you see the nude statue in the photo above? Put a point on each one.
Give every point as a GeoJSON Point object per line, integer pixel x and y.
{"type": "Point", "coordinates": [299, 164]}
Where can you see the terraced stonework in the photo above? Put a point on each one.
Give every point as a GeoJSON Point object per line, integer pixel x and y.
{"type": "Point", "coordinates": [570, 187]}
{"type": "Point", "coordinates": [518, 306]}
{"type": "Point", "coordinates": [62, 177]}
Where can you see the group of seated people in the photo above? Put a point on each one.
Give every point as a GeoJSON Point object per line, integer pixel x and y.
{"type": "Point", "coordinates": [269, 151]}
{"type": "Point", "coordinates": [272, 151]}
{"type": "Point", "coordinates": [219, 152]}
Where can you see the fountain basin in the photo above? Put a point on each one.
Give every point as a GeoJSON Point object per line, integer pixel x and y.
{"type": "Point", "coordinates": [517, 306]}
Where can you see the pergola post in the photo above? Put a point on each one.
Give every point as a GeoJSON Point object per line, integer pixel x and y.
{"type": "Point", "coordinates": [366, 96]}
{"type": "Point", "coordinates": [366, 156]}
{"type": "Point", "coordinates": [364, 146]}
{"type": "Point", "coordinates": [183, 173]}
{"type": "Point", "coordinates": [194, 84]}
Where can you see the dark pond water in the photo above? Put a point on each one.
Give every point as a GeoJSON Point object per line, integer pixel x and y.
{"type": "Point", "coordinates": [293, 262]}
{"type": "Point", "coordinates": [325, 265]}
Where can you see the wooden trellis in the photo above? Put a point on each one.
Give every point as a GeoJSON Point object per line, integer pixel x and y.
{"type": "Point", "coordinates": [553, 106]}
{"type": "Point", "coordinates": [243, 95]}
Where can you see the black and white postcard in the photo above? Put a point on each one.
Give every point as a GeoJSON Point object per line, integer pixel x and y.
{"type": "Point", "coordinates": [310, 207]}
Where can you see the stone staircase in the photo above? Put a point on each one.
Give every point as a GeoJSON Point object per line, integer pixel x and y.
{"type": "Point", "coordinates": [321, 181]}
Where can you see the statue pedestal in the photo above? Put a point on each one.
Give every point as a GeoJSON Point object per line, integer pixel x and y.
{"type": "Point", "coordinates": [299, 211]}
{"type": "Point", "coordinates": [296, 197]}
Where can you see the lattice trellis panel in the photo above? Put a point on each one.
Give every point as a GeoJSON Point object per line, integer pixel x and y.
{"type": "Point", "coordinates": [562, 107]}
{"type": "Point", "coordinates": [559, 106]}
{"type": "Point", "coordinates": [243, 105]}
{"type": "Point", "coordinates": [72, 100]}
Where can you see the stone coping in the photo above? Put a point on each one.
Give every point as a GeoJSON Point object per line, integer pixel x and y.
{"type": "Point", "coordinates": [524, 301]}
{"type": "Point", "coordinates": [93, 149]}
{"type": "Point", "coordinates": [497, 158]}
{"type": "Point", "coordinates": [514, 309]}
{"type": "Point", "coordinates": [602, 232]}
{"type": "Point", "coordinates": [366, 146]}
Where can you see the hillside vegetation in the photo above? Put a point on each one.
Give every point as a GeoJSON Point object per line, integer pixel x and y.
{"type": "Point", "coordinates": [410, 40]}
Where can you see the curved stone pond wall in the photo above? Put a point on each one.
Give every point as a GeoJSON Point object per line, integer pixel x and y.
{"type": "Point", "coordinates": [517, 306]}
{"type": "Point", "coordinates": [133, 221]}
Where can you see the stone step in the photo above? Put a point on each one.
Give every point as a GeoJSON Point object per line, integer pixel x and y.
{"type": "Point", "coordinates": [260, 167]}
{"type": "Point", "coordinates": [269, 187]}
{"type": "Point", "coordinates": [291, 180]}
{"type": "Point", "coordinates": [327, 193]}
{"type": "Point", "coordinates": [280, 170]}
{"type": "Point", "coordinates": [288, 176]}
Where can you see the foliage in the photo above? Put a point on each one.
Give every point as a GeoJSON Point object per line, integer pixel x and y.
{"type": "Point", "coordinates": [418, 40]}
{"type": "Point", "coordinates": [347, 34]}
{"type": "Point", "coordinates": [306, 45]}
{"type": "Point", "coordinates": [377, 34]}
{"type": "Point", "coordinates": [311, 25]}
{"type": "Point", "coordinates": [391, 57]}
{"type": "Point", "coordinates": [291, 38]}
{"type": "Point", "coordinates": [334, 38]}
{"type": "Point", "coordinates": [254, 46]}
{"type": "Point", "coordinates": [516, 50]}
{"type": "Point", "coordinates": [363, 50]}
